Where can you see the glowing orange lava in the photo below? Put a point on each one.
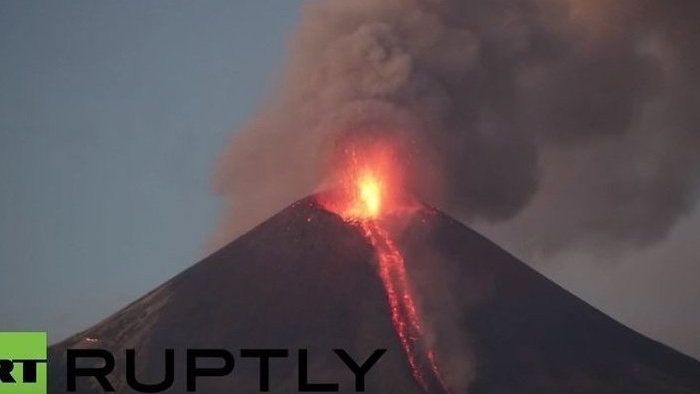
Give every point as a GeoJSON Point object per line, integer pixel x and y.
{"type": "Point", "coordinates": [368, 196]}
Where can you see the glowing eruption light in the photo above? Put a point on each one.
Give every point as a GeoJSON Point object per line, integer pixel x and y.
{"type": "Point", "coordinates": [368, 197]}
{"type": "Point", "coordinates": [370, 194]}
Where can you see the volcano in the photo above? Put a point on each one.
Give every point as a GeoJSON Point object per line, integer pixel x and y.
{"type": "Point", "coordinates": [308, 279]}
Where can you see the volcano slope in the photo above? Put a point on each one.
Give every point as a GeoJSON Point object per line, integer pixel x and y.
{"type": "Point", "coordinates": [307, 279]}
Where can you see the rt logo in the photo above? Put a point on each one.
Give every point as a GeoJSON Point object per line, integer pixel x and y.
{"type": "Point", "coordinates": [23, 363]}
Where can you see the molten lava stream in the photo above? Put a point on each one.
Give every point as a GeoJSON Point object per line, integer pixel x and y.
{"type": "Point", "coordinates": [365, 203]}
{"type": "Point", "coordinates": [404, 314]}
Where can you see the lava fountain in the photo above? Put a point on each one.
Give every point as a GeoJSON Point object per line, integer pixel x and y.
{"type": "Point", "coordinates": [367, 196]}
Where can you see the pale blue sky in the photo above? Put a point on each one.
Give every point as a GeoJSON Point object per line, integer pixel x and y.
{"type": "Point", "coordinates": [111, 116]}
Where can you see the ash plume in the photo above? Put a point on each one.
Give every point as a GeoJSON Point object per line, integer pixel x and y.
{"type": "Point", "coordinates": [576, 118]}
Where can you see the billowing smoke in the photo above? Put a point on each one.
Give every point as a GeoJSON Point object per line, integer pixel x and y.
{"type": "Point", "coordinates": [576, 118]}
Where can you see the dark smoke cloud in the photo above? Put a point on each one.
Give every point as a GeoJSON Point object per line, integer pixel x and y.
{"type": "Point", "coordinates": [578, 118]}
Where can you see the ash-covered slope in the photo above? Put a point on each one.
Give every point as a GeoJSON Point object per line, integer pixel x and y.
{"type": "Point", "coordinates": [526, 334]}
{"type": "Point", "coordinates": [306, 279]}
{"type": "Point", "coordinates": [302, 279]}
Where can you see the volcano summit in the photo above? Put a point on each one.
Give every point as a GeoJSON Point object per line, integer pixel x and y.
{"type": "Point", "coordinates": [308, 279]}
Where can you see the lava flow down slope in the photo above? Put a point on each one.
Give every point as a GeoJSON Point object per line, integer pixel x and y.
{"type": "Point", "coordinates": [360, 268]}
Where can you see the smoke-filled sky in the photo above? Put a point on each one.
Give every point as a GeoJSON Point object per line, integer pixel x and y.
{"type": "Point", "coordinates": [582, 113]}
{"type": "Point", "coordinates": [566, 130]}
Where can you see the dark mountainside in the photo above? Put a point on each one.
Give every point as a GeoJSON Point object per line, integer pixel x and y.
{"type": "Point", "coordinates": [306, 279]}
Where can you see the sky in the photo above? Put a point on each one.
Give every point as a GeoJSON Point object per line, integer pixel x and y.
{"type": "Point", "coordinates": [111, 118]}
